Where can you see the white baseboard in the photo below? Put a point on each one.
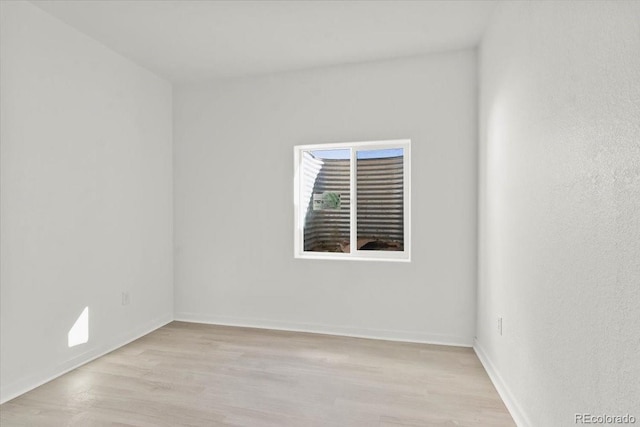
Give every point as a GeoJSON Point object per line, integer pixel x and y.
{"type": "Point", "coordinates": [34, 380]}
{"type": "Point", "coordinates": [378, 334]}
{"type": "Point", "coordinates": [514, 408]}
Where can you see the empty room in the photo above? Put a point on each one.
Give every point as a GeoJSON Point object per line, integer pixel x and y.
{"type": "Point", "coordinates": [319, 213]}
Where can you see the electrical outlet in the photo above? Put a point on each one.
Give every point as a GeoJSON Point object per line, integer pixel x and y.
{"type": "Point", "coordinates": [126, 299]}
{"type": "Point", "coordinates": [500, 325]}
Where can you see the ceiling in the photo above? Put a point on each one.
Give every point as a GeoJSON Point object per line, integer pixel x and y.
{"type": "Point", "coordinates": [193, 40]}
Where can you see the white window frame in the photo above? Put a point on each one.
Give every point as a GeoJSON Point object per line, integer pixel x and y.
{"type": "Point", "coordinates": [355, 254]}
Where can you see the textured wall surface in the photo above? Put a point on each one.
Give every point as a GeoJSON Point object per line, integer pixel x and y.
{"type": "Point", "coordinates": [86, 209]}
{"type": "Point", "coordinates": [234, 199]}
{"type": "Point", "coordinates": [560, 207]}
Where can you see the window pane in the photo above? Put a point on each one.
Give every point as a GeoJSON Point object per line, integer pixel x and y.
{"type": "Point", "coordinates": [380, 199]}
{"type": "Point", "coordinates": [325, 200]}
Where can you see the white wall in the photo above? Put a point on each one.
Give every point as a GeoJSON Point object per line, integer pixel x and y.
{"type": "Point", "coordinates": [560, 208]}
{"type": "Point", "coordinates": [234, 199]}
{"type": "Point", "coordinates": [86, 206]}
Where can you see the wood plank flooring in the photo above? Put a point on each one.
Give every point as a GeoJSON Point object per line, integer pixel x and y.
{"type": "Point", "coordinates": [187, 374]}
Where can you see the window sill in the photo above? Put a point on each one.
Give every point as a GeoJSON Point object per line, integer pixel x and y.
{"type": "Point", "coordinates": [336, 256]}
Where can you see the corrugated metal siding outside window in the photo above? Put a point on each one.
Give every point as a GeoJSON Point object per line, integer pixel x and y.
{"type": "Point", "coordinates": [380, 203]}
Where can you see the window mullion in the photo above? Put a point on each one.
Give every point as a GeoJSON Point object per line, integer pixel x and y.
{"type": "Point", "coordinates": [353, 205]}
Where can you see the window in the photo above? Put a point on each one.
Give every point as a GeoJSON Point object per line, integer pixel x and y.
{"type": "Point", "coordinates": [352, 201]}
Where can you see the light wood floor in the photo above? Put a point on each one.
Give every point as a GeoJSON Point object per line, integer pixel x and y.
{"type": "Point", "coordinates": [202, 375]}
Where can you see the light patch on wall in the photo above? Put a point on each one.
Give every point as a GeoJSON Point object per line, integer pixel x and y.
{"type": "Point", "coordinates": [79, 332]}
{"type": "Point", "coordinates": [496, 174]}
{"type": "Point", "coordinates": [496, 138]}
